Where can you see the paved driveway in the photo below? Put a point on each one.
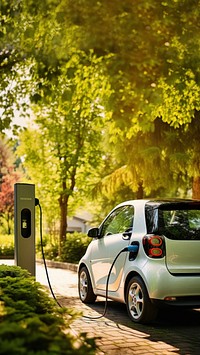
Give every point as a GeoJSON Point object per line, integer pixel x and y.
{"type": "Point", "coordinates": [172, 333]}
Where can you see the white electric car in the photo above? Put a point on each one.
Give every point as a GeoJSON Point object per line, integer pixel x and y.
{"type": "Point", "coordinates": [163, 267]}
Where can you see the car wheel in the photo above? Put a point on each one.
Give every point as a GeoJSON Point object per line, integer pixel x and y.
{"type": "Point", "coordinates": [85, 289]}
{"type": "Point", "coordinates": [139, 306]}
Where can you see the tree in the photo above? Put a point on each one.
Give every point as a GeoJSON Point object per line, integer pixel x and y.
{"type": "Point", "coordinates": [7, 199]}
{"type": "Point", "coordinates": [27, 30]}
{"type": "Point", "coordinates": [70, 123]}
{"type": "Point", "coordinates": [150, 164]}
{"type": "Point", "coordinates": [155, 75]}
{"type": "Point", "coordinates": [13, 62]}
{"type": "Point", "coordinates": [152, 42]}
{"type": "Point", "coordinates": [9, 176]}
{"type": "Point", "coordinates": [153, 70]}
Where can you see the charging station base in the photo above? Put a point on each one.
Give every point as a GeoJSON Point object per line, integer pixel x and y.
{"type": "Point", "coordinates": [24, 226]}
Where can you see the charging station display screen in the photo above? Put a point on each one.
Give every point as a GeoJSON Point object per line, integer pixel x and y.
{"type": "Point", "coordinates": [26, 223]}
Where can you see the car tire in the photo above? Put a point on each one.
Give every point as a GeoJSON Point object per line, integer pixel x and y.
{"type": "Point", "coordinates": [85, 289]}
{"type": "Point", "coordinates": [139, 306]}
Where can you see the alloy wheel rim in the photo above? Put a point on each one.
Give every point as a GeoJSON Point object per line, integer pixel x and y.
{"type": "Point", "coordinates": [83, 285]}
{"type": "Point", "coordinates": [135, 301]}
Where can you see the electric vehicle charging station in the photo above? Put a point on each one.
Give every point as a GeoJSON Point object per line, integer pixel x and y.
{"type": "Point", "coordinates": [24, 226]}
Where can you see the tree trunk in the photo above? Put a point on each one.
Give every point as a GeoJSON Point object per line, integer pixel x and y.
{"type": "Point", "coordinates": [63, 202]}
{"type": "Point", "coordinates": [140, 191]}
{"type": "Point", "coordinates": [196, 188]}
{"type": "Point", "coordinates": [8, 223]}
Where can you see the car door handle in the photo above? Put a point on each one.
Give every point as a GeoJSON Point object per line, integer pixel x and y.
{"type": "Point", "coordinates": [127, 235]}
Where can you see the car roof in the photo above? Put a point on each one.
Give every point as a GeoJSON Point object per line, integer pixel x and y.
{"type": "Point", "coordinates": [155, 203]}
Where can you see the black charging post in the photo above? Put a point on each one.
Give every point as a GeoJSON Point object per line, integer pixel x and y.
{"type": "Point", "coordinates": [24, 226]}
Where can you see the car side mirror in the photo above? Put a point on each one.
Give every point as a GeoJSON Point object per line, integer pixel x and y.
{"type": "Point", "coordinates": [93, 233]}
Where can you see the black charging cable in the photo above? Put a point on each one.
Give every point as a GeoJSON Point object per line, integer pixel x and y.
{"type": "Point", "coordinates": [37, 203]}
{"type": "Point", "coordinates": [129, 248]}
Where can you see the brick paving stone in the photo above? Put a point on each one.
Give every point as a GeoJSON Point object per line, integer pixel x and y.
{"type": "Point", "coordinates": [126, 340]}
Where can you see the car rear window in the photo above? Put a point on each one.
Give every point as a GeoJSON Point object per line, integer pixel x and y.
{"type": "Point", "coordinates": [175, 221]}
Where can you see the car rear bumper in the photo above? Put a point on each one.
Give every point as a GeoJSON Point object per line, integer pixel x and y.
{"type": "Point", "coordinates": [186, 301]}
{"type": "Point", "coordinates": [162, 285]}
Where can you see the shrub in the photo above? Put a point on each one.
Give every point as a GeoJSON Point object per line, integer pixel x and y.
{"type": "Point", "coordinates": [50, 249]}
{"type": "Point", "coordinates": [74, 247]}
{"type": "Point", "coordinates": [6, 246]}
{"type": "Point", "coordinates": [72, 250]}
{"type": "Point", "coordinates": [6, 250]}
{"type": "Point", "coordinates": [30, 321]}
{"type": "Point", "coordinates": [14, 271]}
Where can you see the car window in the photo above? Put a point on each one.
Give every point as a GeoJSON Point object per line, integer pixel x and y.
{"type": "Point", "coordinates": [181, 224]}
{"type": "Point", "coordinates": [119, 221]}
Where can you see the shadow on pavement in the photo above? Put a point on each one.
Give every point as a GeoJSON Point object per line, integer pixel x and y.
{"type": "Point", "coordinates": [178, 328]}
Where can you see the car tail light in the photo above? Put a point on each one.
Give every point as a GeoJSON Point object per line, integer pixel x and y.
{"type": "Point", "coordinates": [154, 246]}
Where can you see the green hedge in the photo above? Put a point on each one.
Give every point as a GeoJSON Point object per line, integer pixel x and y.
{"type": "Point", "coordinates": [31, 323]}
{"type": "Point", "coordinates": [7, 251]}
{"type": "Point", "coordinates": [6, 246]}
{"type": "Point", "coordinates": [72, 250]}
{"type": "Point", "coordinates": [74, 247]}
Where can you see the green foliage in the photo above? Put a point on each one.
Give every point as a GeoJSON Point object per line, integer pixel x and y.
{"type": "Point", "coordinates": [152, 42]}
{"type": "Point", "coordinates": [74, 247]}
{"type": "Point", "coordinates": [70, 121]}
{"type": "Point", "coordinates": [111, 70]}
{"type": "Point", "coordinates": [154, 74]}
{"type": "Point", "coordinates": [6, 246]}
{"type": "Point", "coordinates": [6, 239]}
{"type": "Point", "coordinates": [50, 248]}
{"type": "Point", "coordinates": [9, 175]}
{"type": "Point", "coordinates": [7, 250]}
{"type": "Point", "coordinates": [179, 99]}
{"type": "Point", "coordinates": [151, 165]}
{"type": "Point", "coordinates": [30, 322]}
{"type": "Point", "coordinates": [14, 271]}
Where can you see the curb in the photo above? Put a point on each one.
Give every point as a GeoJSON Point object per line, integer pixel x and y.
{"type": "Point", "coordinates": [59, 264]}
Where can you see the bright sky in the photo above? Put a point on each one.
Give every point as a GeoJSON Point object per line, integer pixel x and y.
{"type": "Point", "coordinates": [20, 121]}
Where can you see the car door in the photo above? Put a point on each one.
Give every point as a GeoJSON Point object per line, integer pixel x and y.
{"type": "Point", "coordinates": [115, 233]}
